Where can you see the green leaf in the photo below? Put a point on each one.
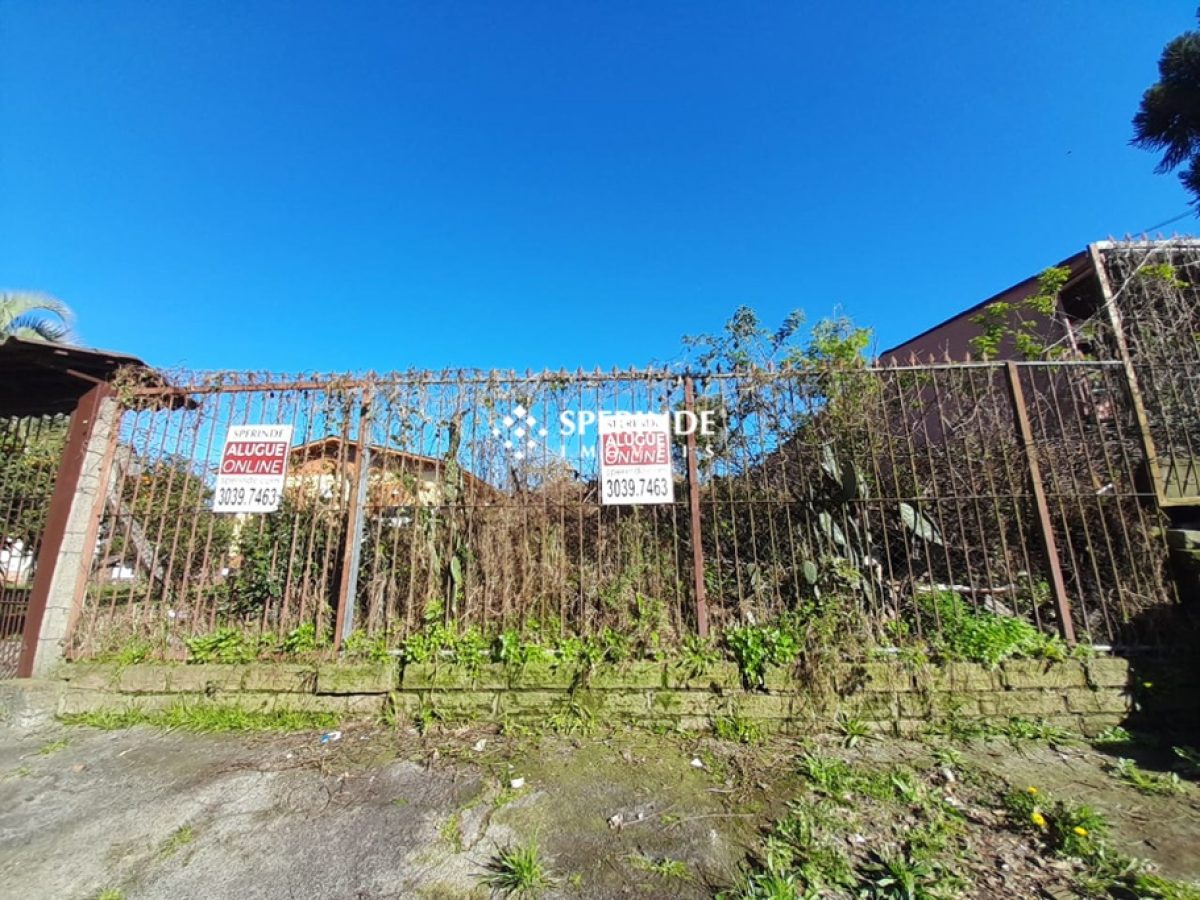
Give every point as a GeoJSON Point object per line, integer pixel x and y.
{"type": "Point", "coordinates": [915, 522]}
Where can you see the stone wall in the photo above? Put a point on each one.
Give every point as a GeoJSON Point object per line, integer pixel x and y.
{"type": "Point", "coordinates": [1085, 696]}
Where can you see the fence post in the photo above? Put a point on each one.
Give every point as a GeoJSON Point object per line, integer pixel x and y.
{"type": "Point", "coordinates": [689, 403]}
{"type": "Point", "coordinates": [69, 538]}
{"type": "Point", "coordinates": [1025, 434]}
{"type": "Point", "coordinates": [352, 556]}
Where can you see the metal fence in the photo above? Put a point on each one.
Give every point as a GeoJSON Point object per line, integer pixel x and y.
{"type": "Point", "coordinates": [30, 450]}
{"type": "Point", "coordinates": [473, 498]}
{"type": "Point", "coordinates": [1156, 307]}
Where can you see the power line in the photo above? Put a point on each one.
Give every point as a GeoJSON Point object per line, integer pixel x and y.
{"type": "Point", "coordinates": [1182, 215]}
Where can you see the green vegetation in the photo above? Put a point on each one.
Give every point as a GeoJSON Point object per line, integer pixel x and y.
{"type": "Point", "coordinates": [519, 871]}
{"type": "Point", "coordinates": [964, 633]}
{"type": "Point", "coordinates": [1166, 119]}
{"type": "Point", "coordinates": [1147, 782]}
{"type": "Point", "coordinates": [110, 894]}
{"type": "Point", "coordinates": [451, 832]}
{"type": "Point", "coordinates": [204, 717]}
{"type": "Point", "coordinates": [53, 747]}
{"type": "Point", "coordinates": [227, 645]}
{"type": "Point", "coordinates": [180, 838]}
{"type": "Point", "coordinates": [1021, 322]}
{"type": "Point", "coordinates": [735, 728]}
{"type": "Point", "coordinates": [755, 647]}
{"type": "Point", "coordinates": [34, 316]}
{"type": "Point", "coordinates": [1113, 736]}
{"type": "Point", "coordinates": [854, 731]}
{"type": "Point", "coordinates": [803, 854]}
{"type": "Point", "coordinates": [876, 830]}
{"type": "Point", "coordinates": [664, 867]}
{"type": "Point", "coordinates": [1079, 832]}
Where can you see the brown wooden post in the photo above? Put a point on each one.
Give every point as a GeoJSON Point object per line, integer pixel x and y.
{"type": "Point", "coordinates": [51, 557]}
{"type": "Point", "coordinates": [689, 403]}
{"type": "Point", "coordinates": [1131, 379]}
{"type": "Point", "coordinates": [352, 555]}
{"type": "Point", "coordinates": [1025, 434]}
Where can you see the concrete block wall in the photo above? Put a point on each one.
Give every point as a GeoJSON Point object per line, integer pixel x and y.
{"type": "Point", "coordinates": [1084, 696]}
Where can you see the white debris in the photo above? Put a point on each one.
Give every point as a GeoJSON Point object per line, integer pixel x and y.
{"type": "Point", "coordinates": [517, 783]}
{"type": "Point", "coordinates": [697, 763]}
{"type": "Point", "coordinates": [479, 745]}
{"type": "Point", "coordinates": [616, 821]}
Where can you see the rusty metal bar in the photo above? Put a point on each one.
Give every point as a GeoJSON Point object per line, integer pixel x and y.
{"type": "Point", "coordinates": [701, 598]}
{"type": "Point", "coordinates": [1065, 626]}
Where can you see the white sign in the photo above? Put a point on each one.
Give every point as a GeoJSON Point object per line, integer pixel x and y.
{"type": "Point", "coordinates": [635, 459]}
{"type": "Point", "coordinates": [253, 468]}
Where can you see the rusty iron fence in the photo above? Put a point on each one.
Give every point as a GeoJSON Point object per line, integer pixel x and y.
{"type": "Point", "coordinates": [1154, 320]}
{"type": "Point", "coordinates": [30, 450]}
{"type": "Point", "coordinates": [472, 498]}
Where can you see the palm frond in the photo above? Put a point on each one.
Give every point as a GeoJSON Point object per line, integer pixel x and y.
{"type": "Point", "coordinates": [33, 315]}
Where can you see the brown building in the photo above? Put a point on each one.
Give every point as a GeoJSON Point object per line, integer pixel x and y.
{"type": "Point", "coordinates": [327, 469]}
{"type": "Point", "coordinates": [1097, 274]}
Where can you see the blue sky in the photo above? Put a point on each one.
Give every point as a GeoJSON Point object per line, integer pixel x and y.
{"type": "Point", "coordinates": [351, 186]}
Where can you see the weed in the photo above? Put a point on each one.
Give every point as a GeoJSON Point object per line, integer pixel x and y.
{"type": "Point", "coordinates": [1113, 736]}
{"type": "Point", "coordinates": [735, 728]}
{"type": "Point", "coordinates": [1147, 782]}
{"type": "Point", "coordinates": [136, 651]}
{"type": "Point", "coordinates": [828, 774]}
{"type": "Point", "coordinates": [956, 727]}
{"type": "Point", "coordinates": [506, 796]}
{"type": "Point", "coordinates": [571, 717]}
{"type": "Point", "coordinates": [53, 747]}
{"type": "Point", "coordinates": [110, 894]}
{"type": "Point", "coordinates": [519, 871]}
{"type": "Point", "coordinates": [303, 639]}
{"type": "Point", "coordinates": [755, 647]}
{"type": "Point", "coordinates": [363, 645]}
{"type": "Point", "coordinates": [227, 645]}
{"type": "Point", "coordinates": [1068, 830]}
{"type": "Point", "coordinates": [451, 832]}
{"type": "Point", "coordinates": [425, 718]}
{"type": "Point", "coordinates": [853, 731]}
{"type": "Point", "coordinates": [107, 719]}
{"type": "Point", "coordinates": [901, 876]}
{"type": "Point", "coordinates": [1019, 729]}
{"type": "Point", "coordinates": [978, 636]}
{"type": "Point", "coordinates": [697, 655]}
{"type": "Point", "coordinates": [664, 867]}
{"type": "Point", "coordinates": [202, 717]}
{"type": "Point", "coordinates": [768, 885]}
{"type": "Point", "coordinates": [948, 757]}
{"type": "Point", "coordinates": [181, 837]}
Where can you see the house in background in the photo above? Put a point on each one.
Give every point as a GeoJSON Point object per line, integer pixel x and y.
{"type": "Point", "coordinates": [397, 481]}
{"type": "Point", "coordinates": [1136, 306]}
{"type": "Point", "coordinates": [1097, 274]}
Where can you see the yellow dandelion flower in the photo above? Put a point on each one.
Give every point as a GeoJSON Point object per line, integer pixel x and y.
{"type": "Point", "coordinates": [1080, 830]}
{"type": "Point", "coordinates": [1031, 790]}
{"type": "Point", "coordinates": [1038, 819]}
